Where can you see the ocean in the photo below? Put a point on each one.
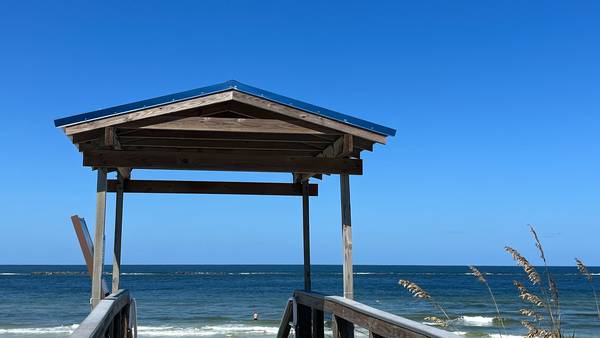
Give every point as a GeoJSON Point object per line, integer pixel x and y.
{"type": "Point", "coordinates": [219, 300]}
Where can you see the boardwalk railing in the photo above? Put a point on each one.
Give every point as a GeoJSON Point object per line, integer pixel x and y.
{"type": "Point", "coordinates": [112, 317]}
{"type": "Point", "coordinates": [305, 312]}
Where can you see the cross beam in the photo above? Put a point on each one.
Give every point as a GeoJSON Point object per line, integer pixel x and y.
{"type": "Point", "coordinates": [199, 187]}
{"type": "Point", "coordinates": [199, 161]}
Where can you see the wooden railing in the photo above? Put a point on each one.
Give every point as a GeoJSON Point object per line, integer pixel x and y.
{"type": "Point", "coordinates": [305, 311]}
{"type": "Point", "coordinates": [110, 318]}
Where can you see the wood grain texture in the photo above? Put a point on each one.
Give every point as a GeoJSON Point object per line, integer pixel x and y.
{"type": "Point", "coordinates": [116, 267]}
{"type": "Point", "coordinates": [347, 236]}
{"type": "Point", "coordinates": [380, 323]}
{"type": "Point", "coordinates": [148, 113]}
{"type": "Point", "coordinates": [306, 234]}
{"type": "Point", "coordinates": [200, 187]}
{"type": "Point", "coordinates": [219, 162]}
{"type": "Point", "coordinates": [284, 324]}
{"type": "Point", "coordinates": [232, 125]}
{"type": "Point", "coordinates": [98, 267]}
{"type": "Point", "coordinates": [308, 117]}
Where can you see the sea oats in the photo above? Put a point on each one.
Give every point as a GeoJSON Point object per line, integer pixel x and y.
{"type": "Point", "coordinates": [584, 270]}
{"type": "Point", "coordinates": [479, 275]}
{"type": "Point", "coordinates": [436, 321]}
{"type": "Point", "coordinates": [533, 276]}
{"type": "Point", "coordinates": [524, 294]}
{"type": "Point", "coordinates": [530, 313]}
{"type": "Point", "coordinates": [413, 288]}
{"type": "Point", "coordinates": [418, 292]}
{"type": "Point", "coordinates": [588, 276]}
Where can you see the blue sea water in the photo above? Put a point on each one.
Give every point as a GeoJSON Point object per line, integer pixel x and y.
{"type": "Point", "coordinates": [219, 300]}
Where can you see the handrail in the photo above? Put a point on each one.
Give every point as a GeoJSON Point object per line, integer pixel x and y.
{"type": "Point", "coordinates": [347, 313]}
{"type": "Point", "coordinates": [109, 318]}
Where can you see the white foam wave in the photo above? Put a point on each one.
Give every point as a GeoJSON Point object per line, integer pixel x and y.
{"type": "Point", "coordinates": [40, 330]}
{"type": "Point", "coordinates": [12, 274]}
{"type": "Point", "coordinates": [477, 320]}
{"type": "Point", "coordinates": [207, 330]}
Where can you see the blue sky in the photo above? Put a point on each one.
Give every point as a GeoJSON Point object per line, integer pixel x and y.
{"type": "Point", "coordinates": [497, 107]}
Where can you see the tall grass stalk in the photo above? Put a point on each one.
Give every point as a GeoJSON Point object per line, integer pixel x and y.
{"type": "Point", "coordinates": [418, 292]}
{"type": "Point", "coordinates": [588, 276]}
{"type": "Point", "coordinates": [554, 299]}
{"type": "Point", "coordinates": [480, 277]}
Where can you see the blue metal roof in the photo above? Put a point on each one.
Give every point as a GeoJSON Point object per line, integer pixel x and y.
{"type": "Point", "coordinates": [222, 87]}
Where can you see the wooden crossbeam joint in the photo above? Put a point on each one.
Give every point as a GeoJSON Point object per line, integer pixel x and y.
{"type": "Point", "coordinates": [341, 148]}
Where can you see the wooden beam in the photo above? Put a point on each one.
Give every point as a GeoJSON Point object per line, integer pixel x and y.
{"type": "Point", "coordinates": [116, 271]}
{"type": "Point", "coordinates": [97, 293]}
{"type": "Point", "coordinates": [231, 125]}
{"type": "Point", "coordinates": [148, 113]}
{"type": "Point", "coordinates": [219, 162]}
{"type": "Point", "coordinates": [225, 188]}
{"type": "Point", "coordinates": [306, 234]}
{"type": "Point", "coordinates": [342, 147]}
{"type": "Point", "coordinates": [347, 236]}
{"type": "Point", "coordinates": [125, 172]}
{"type": "Point", "coordinates": [225, 135]}
{"type": "Point", "coordinates": [225, 144]}
{"type": "Point", "coordinates": [305, 116]}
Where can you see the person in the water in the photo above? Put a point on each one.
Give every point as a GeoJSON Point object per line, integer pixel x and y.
{"type": "Point", "coordinates": [255, 316]}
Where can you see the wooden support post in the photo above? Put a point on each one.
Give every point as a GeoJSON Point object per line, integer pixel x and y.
{"type": "Point", "coordinates": [306, 235]}
{"type": "Point", "coordinates": [318, 326]}
{"type": "Point", "coordinates": [341, 328]}
{"type": "Point", "coordinates": [347, 236]}
{"type": "Point", "coordinates": [97, 293]}
{"type": "Point", "coordinates": [303, 325]}
{"type": "Point", "coordinates": [116, 268]}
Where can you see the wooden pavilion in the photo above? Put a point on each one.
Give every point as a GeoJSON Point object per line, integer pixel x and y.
{"type": "Point", "coordinates": [228, 127]}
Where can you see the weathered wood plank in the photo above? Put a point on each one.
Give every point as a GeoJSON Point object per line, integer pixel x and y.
{"type": "Point", "coordinates": [231, 125]}
{"type": "Point", "coordinates": [306, 234]}
{"type": "Point", "coordinates": [303, 321]}
{"type": "Point", "coordinates": [203, 187]}
{"type": "Point", "coordinates": [224, 144]}
{"type": "Point", "coordinates": [209, 135]}
{"type": "Point", "coordinates": [318, 324]}
{"type": "Point", "coordinates": [305, 116]}
{"type": "Point", "coordinates": [98, 322]}
{"type": "Point", "coordinates": [380, 323]}
{"type": "Point", "coordinates": [197, 161]}
{"type": "Point", "coordinates": [149, 112]}
{"type": "Point", "coordinates": [97, 293]}
{"type": "Point", "coordinates": [347, 236]}
{"type": "Point", "coordinates": [116, 271]}
{"type": "Point", "coordinates": [342, 147]}
{"type": "Point", "coordinates": [284, 325]}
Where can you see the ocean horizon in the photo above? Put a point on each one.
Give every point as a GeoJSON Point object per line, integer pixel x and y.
{"type": "Point", "coordinates": [218, 300]}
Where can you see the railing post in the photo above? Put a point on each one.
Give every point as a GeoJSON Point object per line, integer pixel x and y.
{"type": "Point", "coordinates": [342, 328]}
{"type": "Point", "coordinates": [318, 326]}
{"type": "Point", "coordinates": [303, 326]}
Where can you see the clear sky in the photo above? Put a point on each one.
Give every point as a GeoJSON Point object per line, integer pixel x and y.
{"type": "Point", "coordinates": [497, 107]}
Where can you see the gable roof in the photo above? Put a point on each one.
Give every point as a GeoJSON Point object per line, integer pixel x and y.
{"type": "Point", "coordinates": [222, 87]}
